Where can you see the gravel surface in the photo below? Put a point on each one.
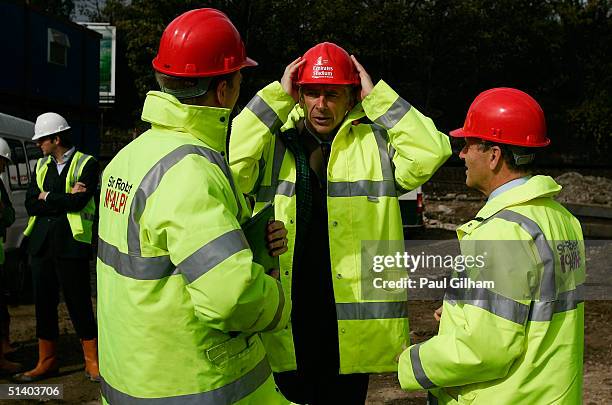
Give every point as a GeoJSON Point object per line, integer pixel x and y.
{"type": "Point", "coordinates": [585, 189]}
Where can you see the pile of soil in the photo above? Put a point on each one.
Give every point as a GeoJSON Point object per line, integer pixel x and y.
{"type": "Point", "coordinates": [581, 189]}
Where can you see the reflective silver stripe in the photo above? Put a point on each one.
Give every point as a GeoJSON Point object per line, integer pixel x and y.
{"type": "Point", "coordinates": [366, 188]}
{"type": "Point", "coordinates": [385, 160]}
{"type": "Point", "coordinates": [266, 193]}
{"type": "Point", "coordinates": [548, 287]}
{"type": "Point", "coordinates": [212, 253]}
{"type": "Point", "coordinates": [136, 267]}
{"type": "Point", "coordinates": [265, 114]}
{"type": "Point", "coordinates": [228, 394]}
{"type": "Point", "coordinates": [42, 161]}
{"type": "Point", "coordinates": [371, 310]}
{"type": "Point", "coordinates": [567, 301]}
{"type": "Point", "coordinates": [77, 169]}
{"type": "Point", "coordinates": [286, 188]}
{"type": "Point", "coordinates": [417, 368]}
{"type": "Point", "coordinates": [394, 114]}
{"type": "Point", "coordinates": [279, 309]}
{"type": "Point", "coordinates": [151, 181]}
{"type": "Point", "coordinates": [490, 301]}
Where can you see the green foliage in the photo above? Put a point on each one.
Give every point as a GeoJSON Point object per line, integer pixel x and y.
{"type": "Point", "coordinates": [60, 8]}
{"type": "Point", "coordinates": [438, 54]}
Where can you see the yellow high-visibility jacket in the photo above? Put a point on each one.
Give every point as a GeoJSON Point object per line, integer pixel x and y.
{"type": "Point", "coordinates": [522, 341]}
{"type": "Point", "coordinates": [368, 163]}
{"type": "Point", "coordinates": [180, 301]}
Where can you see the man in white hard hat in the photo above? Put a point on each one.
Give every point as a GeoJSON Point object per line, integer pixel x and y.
{"type": "Point", "coordinates": [7, 217]}
{"type": "Point", "coordinates": [61, 207]}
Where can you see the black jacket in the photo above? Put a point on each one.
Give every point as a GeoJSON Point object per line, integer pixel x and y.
{"type": "Point", "coordinates": [7, 212]}
{"type": "Point", "coordinates": [52, 228]}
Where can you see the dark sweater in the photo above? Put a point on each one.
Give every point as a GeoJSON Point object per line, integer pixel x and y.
{"type": "Point", "coordinates": [52, 229]}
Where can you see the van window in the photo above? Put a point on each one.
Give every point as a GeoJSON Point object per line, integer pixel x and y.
{"type": "Point", "coordinates": [18, 172]}
{"type": "Point", "coordinates": [34, 153]}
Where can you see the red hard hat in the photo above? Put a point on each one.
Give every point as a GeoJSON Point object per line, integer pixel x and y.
{"type": "Point", "coordinates": [201, 43]}
{"type": "Point", "coordinates": [507, 116]}
{"type": "Point", "coordinates": [327, 63]}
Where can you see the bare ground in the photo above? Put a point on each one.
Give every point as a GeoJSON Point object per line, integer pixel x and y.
{"type": "Point", "coordinates": [384, 388]}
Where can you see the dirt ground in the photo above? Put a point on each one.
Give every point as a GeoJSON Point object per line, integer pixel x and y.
{"type": "Point", "coordinates": [384, 388]}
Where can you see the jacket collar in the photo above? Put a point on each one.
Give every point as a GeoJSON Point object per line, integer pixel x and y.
{"type": "Point", "coordinates": [535, 187]}
{"type": "Point", "coordinates": [208, 124]}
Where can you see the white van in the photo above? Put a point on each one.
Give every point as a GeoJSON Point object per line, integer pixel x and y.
{"type": "Point", "coordinates": [16, 177]}
{"type": "Point", "coordinates": [411, 208]}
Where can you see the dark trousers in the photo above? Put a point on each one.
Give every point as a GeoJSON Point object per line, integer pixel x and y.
{"type": "Point", "coordinates": [5, 318]}
{"type": "Point", "coordinates": [49, 273]}
{"type": "Point", "coordinates": [321, 389]}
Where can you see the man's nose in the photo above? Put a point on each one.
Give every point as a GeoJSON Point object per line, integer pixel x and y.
{"type": "Point", "coordinates": [321, 101]}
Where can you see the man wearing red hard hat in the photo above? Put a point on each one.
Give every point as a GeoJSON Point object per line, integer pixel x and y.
{"type": "Point", "coordinates": [520, 339]}
{"type": "Point", "coordinates": [180, 301]}
{"type": "Point", "coordinates": [333, 151]}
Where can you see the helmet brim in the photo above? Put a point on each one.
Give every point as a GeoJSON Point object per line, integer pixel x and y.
{"type": "Point", "coordinates": [457, 133]}
{"type": "Point", "coordinates": [333, 82]}
{"type": "Point", "coordinates": [249, 62]}
{"type": "Point", "coordinates": [49, 133]}
{"type": "Point", "coordinates": [460, 133]}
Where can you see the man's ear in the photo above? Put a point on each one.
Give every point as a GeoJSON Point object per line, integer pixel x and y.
{"type": "Point", "coordinates": [221, 93]}
{"type": "Point", "coordinates": [495, 158]}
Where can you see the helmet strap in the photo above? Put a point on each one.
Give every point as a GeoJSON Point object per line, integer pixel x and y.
{"type": "Point", "coordinates": [521, 155]}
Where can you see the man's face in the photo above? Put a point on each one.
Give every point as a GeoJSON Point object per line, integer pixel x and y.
{"type": "Point", "coordinates": [476, 159]}
{"type": "Point", "coordinates": [325, 106]}
{"type": "Point", "coordinates": [47, 145]}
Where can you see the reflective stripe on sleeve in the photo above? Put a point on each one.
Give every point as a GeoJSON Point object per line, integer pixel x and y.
{"type": "Point", "coordinates": [267, 193]}
{"type": "Point", "coordinates": [394, 114]}
{"type": "Point", "coordinates": [417, 368]}
{"type": "Point", "coordinates": [279, 309]}
{"type": "Point", "coordinates": [371, 310]}
{"type": "Point", "coordinates": [228, 394]}
{"type": "Point", "coordinates": [490, 301]}
{"type": "Point", "coordinates": [265, 113]}
{"type": "Point", "coordinates": [212, 253]}
{"type": "Point", "coordinates": [136, 267]}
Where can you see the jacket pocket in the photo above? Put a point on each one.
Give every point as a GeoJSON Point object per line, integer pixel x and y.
{"type": "Point", "coordinates": [237, 355]}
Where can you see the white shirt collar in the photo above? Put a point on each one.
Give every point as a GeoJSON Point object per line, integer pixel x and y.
{"type": "Point", "coordinates": [508, 186]}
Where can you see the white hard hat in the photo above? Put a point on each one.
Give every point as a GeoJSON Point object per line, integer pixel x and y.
{"type": "Point", "coordinates": [48, 124]}
{"type": "Point", "coordinates": [5, 151]}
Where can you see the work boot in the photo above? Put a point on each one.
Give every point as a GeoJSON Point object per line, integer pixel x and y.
{"type": "Point", "coordinates": [8, 367]}
{"type": "Point", "coordinates": [47, 363]}
{"type": "Point", "coordinates": [90, 352]}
